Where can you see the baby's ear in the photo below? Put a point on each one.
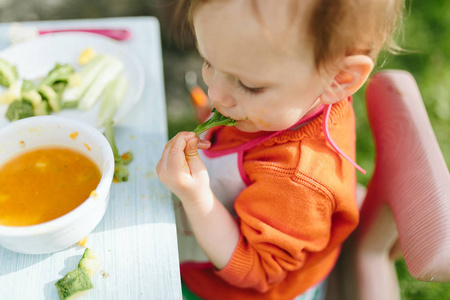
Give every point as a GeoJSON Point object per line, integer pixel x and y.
{"type": "Point", "coordinates": [352, 73]}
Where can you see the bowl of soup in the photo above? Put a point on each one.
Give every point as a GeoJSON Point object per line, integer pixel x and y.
{"type": "Point", "coordinates": [55, 178]}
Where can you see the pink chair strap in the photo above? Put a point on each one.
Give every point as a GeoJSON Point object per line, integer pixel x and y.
{"type": "Point", "coordinates": [326, 116]}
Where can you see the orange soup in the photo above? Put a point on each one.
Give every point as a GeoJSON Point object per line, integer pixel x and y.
{"type": "Point", "coordinates": [42, 184]}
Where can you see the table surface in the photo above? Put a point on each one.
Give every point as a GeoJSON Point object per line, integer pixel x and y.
{"type": "Point", "coordinates": [137, 236]}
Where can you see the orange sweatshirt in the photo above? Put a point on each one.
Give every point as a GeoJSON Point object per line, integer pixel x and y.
{"type": "Point", "coordinates": [298, 209]}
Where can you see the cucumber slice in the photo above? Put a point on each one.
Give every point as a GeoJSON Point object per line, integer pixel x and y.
{"type": "Point", "coordinates": [90, 261]}
{"type": "Point", "coordinates": [75, 284]}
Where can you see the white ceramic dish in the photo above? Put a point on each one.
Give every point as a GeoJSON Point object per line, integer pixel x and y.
{"type": "Point", "coordinates": [35, 58]}
{"type": "Point", "coordinates": [68, 229]}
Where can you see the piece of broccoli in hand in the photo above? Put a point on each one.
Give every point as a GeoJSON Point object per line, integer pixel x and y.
{"type": "Point", "coordinates": [19, 109]}
{"type": "Point", "coordinates": [8, 73]}
{"type": "Point", "coordinates": [216, 120]}
{"type": "Point", "coordinates": [121, 161]}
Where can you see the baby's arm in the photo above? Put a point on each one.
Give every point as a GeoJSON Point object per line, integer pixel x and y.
{"type": "Point", "coordinates": [183, 172]}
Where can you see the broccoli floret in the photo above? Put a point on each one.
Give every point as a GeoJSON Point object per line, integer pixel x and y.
{"type": "Point", "coordinates": [42, 109]}
{"type": "Point", "coordinates": [216, 120]}
{"type": "Point", "coordinates": [33, 96]}
{"type": "Point", "coordinates": [19, 109]}
{"type": "Point", "coordinates": [8, 73]}
{"type": "Point", "coordinates": [49, 94]}
{"type": "Point", "coordinates": [120, 170]}
{"type": "Point", "coordinates": [12, 93]}
{"type": "Point", "coordinates": [27, 85]}
{"type": "Point", "coordinates": [60, 73]}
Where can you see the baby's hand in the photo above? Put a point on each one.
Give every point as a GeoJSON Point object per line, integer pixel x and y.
{"type": "Point", "coordinates": [182, 171]}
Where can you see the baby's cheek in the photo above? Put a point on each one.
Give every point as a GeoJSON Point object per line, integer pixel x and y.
{"type": "Point", "coordinates": [262, 123]}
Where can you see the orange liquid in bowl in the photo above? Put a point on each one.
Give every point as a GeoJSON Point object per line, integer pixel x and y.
{"type": "Point", "coordinates": [43, 184]}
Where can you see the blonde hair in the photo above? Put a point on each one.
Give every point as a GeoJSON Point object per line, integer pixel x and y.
{"type": "Point", "coordinates": [337, 27]}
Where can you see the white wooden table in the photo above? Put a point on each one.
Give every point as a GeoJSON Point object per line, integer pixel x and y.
{"type": "Point", "coordinates": [137, 236]}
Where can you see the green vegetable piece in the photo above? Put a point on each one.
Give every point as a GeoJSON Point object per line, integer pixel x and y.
{"type": "Point", "coordinates": [42, 109]}
{"type": "Point", "coordinates": [27, 85]}
{"type": "Point", "coordinates": [109, 73]}
{"type": "Point", "coordinates": [127, 157]}
{"type": "Point", "coordinates": [120, 170]}
{"type": "Point", "coordinates": [216, 120]}
{"type": "Point", "coordinates": [49, 94]}
{"type": "Point", "coordinates": [75, 284]}
{"type": "Point", "coordinates": [112, 97]}
{"type": "Point", "coordinates": [33, 96]}
{"type": "Point", "coordinates": [69, 104]}
{"type": "Point", "coordinates": [91, 261]}
{"type": "Point", "coordinates": [29, 92]}
{"type": "Point", "coordinates": [12, 93]}
{"type": "Point", "coordinates": [19, 109]}
{"type": "Point", "coordinates": [8, 73]}
{"type": "Point", "coordinates": [60, 73]}
{"type": "Point", "coordinates": [87, 76]}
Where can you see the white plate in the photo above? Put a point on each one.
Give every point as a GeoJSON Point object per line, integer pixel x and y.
{"type": "Point", "coordinates": [35, 58]}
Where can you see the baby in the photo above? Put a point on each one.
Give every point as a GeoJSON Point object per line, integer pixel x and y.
{"type": "Point", "coordinates": [271, 200]}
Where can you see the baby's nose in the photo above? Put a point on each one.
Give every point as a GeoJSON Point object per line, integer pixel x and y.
{"type": "Point", "coordinates": [219, 92]}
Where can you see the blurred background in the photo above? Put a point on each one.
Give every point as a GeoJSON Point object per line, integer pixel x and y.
{"type": "Point", "coordinates": [425, 37]}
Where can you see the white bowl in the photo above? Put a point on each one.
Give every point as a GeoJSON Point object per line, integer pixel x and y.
{"type": "Point", "coordinates": [68, 229]}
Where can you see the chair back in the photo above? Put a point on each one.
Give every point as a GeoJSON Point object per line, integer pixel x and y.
{"type": "Point", "coordinates": [407, 205]}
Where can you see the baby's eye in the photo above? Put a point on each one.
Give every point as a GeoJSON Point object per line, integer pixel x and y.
{"type": "Point", "coordinates": [206, 64]}
{"type": "Point", "coordinates": [250, 90]}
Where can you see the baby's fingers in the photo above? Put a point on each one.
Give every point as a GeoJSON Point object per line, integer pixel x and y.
{"type": "Point", "coordinates": [176, 159]}
{"type": "Point", "coordinates": [162, 164]}
{"type": "Point", "coordinates": [192, 158]}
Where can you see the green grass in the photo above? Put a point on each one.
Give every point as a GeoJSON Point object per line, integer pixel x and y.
{"type": "Point", "coordinates": [426, 37]}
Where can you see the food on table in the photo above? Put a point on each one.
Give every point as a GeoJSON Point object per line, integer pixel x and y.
{"type": "Point", "coordinates": [120, 161]}
{"type": "Point", "coordinates": [114, 94]}
{"type": "Point", "coordinates": [41, 184]}
{"type": "Point", "coordinates": [74, 284]}
{"type": "Point", "coordinates": [91, 261]}
{"type": "Point", "coordinates": [83, 241]}
{"type": "Point", "coordinates": [77, 282]}
{"type": "Point", "coordinates": [100, 77]}
{"type": "Point", "coordinates": [216, 120]}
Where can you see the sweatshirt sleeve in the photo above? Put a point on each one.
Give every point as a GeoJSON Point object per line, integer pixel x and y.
{"type": "Point", "coordinates": [282, 220]}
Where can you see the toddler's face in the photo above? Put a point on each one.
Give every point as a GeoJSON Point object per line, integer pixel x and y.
{"type": "Point", "coordinates": [259, 63]}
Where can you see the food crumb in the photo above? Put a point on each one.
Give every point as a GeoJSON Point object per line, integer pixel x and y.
{"type": "Point", "coordinates": [74, 135]}
{"type": "Point", "coordinates": [86, 55]}
{"type": "Point", "coordinates": [104, 274]}
{"type": "Point", "coordinates": [87, 146]}
{"type": "Point", "coordinates": [82, 242]}
{"type": "Point", "coordinates": [22, 144]}
{"type": "Point", "coordinates": [94, 194]}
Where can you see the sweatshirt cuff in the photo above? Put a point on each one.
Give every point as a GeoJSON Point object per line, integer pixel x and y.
{"type": "Point", "coordinates": [239, 265]}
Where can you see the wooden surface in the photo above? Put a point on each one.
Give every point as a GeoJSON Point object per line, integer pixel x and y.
{"type": "Point", "coordinates": [137, 236]}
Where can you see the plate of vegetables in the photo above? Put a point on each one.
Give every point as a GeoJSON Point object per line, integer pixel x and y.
{"type": "Point", "coordinates": [76, 75]}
